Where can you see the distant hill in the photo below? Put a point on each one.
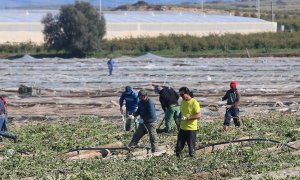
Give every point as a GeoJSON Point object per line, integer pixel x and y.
{"type": "Point", "coordinates": [143, 6]}
{"type": "Point", "coordinates": [105, 3]}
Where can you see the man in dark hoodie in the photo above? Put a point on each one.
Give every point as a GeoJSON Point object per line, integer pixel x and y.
{"type": "Point", "coordinates": [146, 110]}
{"type": "Point", "coordinates": [232, 110]}
{"type": "Point", "coordinates": [169, 103]}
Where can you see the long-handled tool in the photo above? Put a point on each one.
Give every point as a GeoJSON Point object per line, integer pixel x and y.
{"type": "Point", "coordinates": [161, 123]}
{"type": "Point", "coordinates": [124, 121]}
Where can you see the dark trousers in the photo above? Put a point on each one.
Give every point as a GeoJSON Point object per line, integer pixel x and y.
{"type": "Point", "coordinates": [110, 70]}
{"type": "Point", "coordinates": [234, 114]}
{"type": "Point", "coordinates": [188, 136]}
{"type": "Point", "coordinates": [141, 131]}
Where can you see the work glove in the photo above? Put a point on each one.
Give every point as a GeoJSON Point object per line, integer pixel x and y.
{"type": "Point", "coordinates": [183, 118]}
{"type": "Point", "coordinates": [140, 120]}
{"type": "Point", "coordinates": [178, 120]}
{"type": "Point", "coordinates": [131, 117]}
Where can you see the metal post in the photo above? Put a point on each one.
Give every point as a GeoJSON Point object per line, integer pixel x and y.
{"type": "Point", "coordinates": [258, 8]}
{"type": "Point", "coordinates": [272, 13]}
{"type": "Point", "coordinates": [100, 8]}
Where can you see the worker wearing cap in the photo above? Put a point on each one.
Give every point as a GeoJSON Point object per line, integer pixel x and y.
{"type": "Point", "coordinates": [131, 100]}
{"type": "Point", "coordinates": [232, 110]}
{"type": "Point", "coordinates": [146, 111]}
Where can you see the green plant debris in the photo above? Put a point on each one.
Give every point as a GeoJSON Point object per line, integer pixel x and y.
{"type": "Point", "coordinates": [49, 141]}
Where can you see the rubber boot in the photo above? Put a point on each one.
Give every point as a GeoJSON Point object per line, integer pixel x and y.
{"type": "Point", "coordinates": [226, 128]}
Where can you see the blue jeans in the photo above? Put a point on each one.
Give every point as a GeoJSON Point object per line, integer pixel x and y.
{"type": "Point", "coordinates": [234, 114]}
{"type": "Point", "coordinates": [3, 129]}
{"type": "Point", "coordinates": [128, 121]}
{"type": "Point", "coordinates": [110, 70]}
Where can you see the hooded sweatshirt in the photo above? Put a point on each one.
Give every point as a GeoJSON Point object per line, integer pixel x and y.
{"type": "Point", "coordinates": [131, 99]}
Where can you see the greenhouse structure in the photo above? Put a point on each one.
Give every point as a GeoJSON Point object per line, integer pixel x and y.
{"type": "Point", "coordinates": [25, 25]}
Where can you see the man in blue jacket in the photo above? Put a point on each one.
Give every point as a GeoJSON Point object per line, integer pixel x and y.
{"type": "Point", "coordinates": [110, 65]}
{"type": "Point", "coordinates": [146, 110]}
{"type": "Point", "coordinates": [131, 100]}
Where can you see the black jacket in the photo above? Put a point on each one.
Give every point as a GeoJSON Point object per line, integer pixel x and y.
{"type": "Point", "coordinates": [168, 97]}
{"type": "Point", "coordinates": [233, 97]}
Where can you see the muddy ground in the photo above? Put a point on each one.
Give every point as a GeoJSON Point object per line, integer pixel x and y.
{"type": "Point", "coordinates": [75, 87]}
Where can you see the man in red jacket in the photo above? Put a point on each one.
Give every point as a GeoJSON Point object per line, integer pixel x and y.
{"type": "Point", "coordinates": [3, 116]}
{"type": "Point", "coordinates": [232, 110]}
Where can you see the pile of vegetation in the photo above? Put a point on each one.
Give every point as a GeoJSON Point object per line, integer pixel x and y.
{"type": "Point", "coordinates": [49, 141]}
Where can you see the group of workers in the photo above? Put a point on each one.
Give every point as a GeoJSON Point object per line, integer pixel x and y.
{"type": "Point", "coordinates": [140, 109]}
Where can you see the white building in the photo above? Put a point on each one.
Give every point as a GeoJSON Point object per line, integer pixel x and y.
{"type": "Point", "coordinates": [24, 26]}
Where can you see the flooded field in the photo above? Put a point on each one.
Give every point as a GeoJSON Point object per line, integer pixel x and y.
{"type": "Point", "coordinates": [74, 87]}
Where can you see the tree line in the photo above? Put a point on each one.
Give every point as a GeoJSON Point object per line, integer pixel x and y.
{"type": "Point", "coordinates": [281, 40]}
{"type": "Point", "coordinates": [184, 43]}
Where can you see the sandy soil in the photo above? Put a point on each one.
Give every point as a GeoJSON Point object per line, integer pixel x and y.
{"type": "Point", "coordinates": [75, 87]}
